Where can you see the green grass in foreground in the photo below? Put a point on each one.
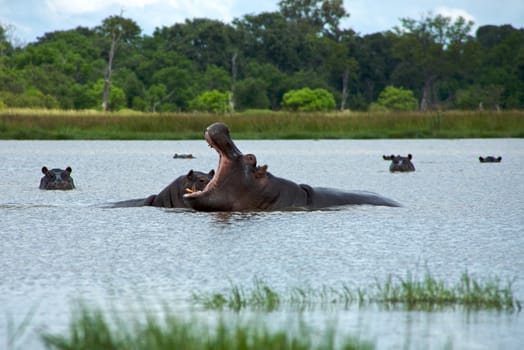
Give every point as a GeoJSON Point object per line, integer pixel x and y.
{"type": "Point", "coordinates": [88, 125]}
{"type": "Point", "coordinates": [426, 294]}
{"type": "Point", "coordinates": [91, 329]}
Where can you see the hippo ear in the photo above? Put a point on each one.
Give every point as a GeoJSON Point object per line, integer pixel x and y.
{"type": "Point", "coordinates": [410, 156]}
{"type": "Point", "coordinates": [211, 173]}
{"type": "Point", "coordinates": [44, 170]}
{"type": "Point", "coordinates": [69, 170]}
{"type": "Point", "coordinates": [261, 171]}
{"type": "Point", "coordinates": [190, 174]}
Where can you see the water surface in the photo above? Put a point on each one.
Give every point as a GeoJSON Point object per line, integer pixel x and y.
{"type": "Point", "coordinates": [457, 215]}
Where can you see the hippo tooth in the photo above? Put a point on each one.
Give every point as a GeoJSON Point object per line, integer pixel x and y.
{"type": "Point", "coordinates": [188, 190]}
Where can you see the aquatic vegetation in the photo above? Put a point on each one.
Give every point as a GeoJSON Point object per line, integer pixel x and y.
{"type": "Point", "coordinates": [430, 292]}
{"type": "Point", "coordinates": [261, 296]}
{"type": "Point", "coordinates": [425, 294]}
{"type": "Point", "coordinates": [91, 328]}
{"type": "Point", "coordinates": [94, 328]}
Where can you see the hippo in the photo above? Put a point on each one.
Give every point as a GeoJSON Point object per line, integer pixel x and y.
{"type": "Point", "coordinates": [399, 163]}
{"type": "Point", "coordinates": [490, 159]}
{"type": "Point", "coordinates": [171, 196]}
{"type": "Point", "coordinates": [240, 185]}
{"type": "Point", "coordinates": [57, 179]}
{"type": "Point", "coordinates": [183, 156]}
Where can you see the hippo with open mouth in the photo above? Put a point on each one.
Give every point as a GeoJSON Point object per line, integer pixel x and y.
{"type": "Point", "coordinates": [57, 179]}
{"type": "Point", "coordinates": [240, 185]}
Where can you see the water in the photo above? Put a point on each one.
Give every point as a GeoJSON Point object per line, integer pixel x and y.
{"type": "Point", "coordinates": [458, 215]}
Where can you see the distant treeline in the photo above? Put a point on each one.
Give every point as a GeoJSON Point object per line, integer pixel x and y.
{"type": "Point", "coordinates": [257, 58]}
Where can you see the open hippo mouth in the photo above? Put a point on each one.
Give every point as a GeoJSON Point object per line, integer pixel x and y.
{"type": "Point", "coordinates": [218, 137]}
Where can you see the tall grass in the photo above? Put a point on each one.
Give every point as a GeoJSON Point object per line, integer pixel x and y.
{"type": "Point", "coordinates": [423, 294]}
{"type": "Point", "coordinates": [91, 329]}
{"type": "Point", "coordinates": [57, 124]}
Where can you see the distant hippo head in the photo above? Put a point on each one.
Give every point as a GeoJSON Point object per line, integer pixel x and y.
{"type": "Point", "coordinates": [400, 163]}
{"type": "Point", "coordinates": [490, 159]}
{"type": "Point", "coordinates": [57, 179]}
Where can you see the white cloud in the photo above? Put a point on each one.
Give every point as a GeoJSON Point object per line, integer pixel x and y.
{"type": "Point", "coordinates": [189, 8]}
{"type": "Point", "coordinates": [65, 7]}
{"type": "Point", "coordinates": [454, 13]}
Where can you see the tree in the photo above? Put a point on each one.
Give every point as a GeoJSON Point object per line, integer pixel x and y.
{"type": "Point", "coordinates": [6, 48]}
{"type": "Point", "coordinates": [270, 38]}
{"type": "Point", "coordinates": [181, 83]}
{"type": "Point", "coordinates": [502, 63]}
{"type": "Point", "coordinates": [117, 30]}
{"type": "Point", "coordinates": [116, 99]}
{"type": "Point", "coordinates": [211, 101]}
{"type": "Point", "coordinates": [476, 97]}
{"type": "Point", "coordinates": [203, 41]}
{"type": "Point", "coordinates": [422, 47]}
{"type": "Point", "coordinates": [323, 16]}
{"type": "Point", "coordinates": [251, 93]}
{"type": "Point", "coordinates": [264, 76]}
{"type": "Point", "coordinates": [216, 78]}
{"type": "Point", "coordinates": [307, 100]}
{"type": "Point", "coordinates": [331, 59]}
{"type": "Point", "coordinates": [376, 63]}
{"type": "Point", "coordinates": [397, 98]}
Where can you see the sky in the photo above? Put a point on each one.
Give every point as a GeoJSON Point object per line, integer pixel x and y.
{"type": "Point", "coordinates": [30, 19]}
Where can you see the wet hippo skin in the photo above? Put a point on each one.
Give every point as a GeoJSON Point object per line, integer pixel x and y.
{"type": "Point", "coordinates": [241, 185]}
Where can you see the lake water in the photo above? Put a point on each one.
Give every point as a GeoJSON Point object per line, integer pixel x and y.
{"type": "Point", "coordinates": [457, 215]}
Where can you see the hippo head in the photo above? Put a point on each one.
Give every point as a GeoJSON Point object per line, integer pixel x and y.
{"type": "Point", "coordinates": [400, 163]}
{"type": "Point", "coordinates": [490, 159]}
{"type": "Point", "coordinates": [195, 181]}
{"type": "Point", "coordinates": [57, 179]}
{"type": "Point", "coordinates": [236, 180]}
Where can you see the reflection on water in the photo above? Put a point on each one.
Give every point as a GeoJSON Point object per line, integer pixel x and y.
{"type": "Point", "coordinates": [457, 214]}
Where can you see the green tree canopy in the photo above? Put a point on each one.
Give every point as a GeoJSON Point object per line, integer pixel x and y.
{"type": "Point", "coordinates": [212, 101]}
{"type": "Point", "coordinates": [397, 98]}
{"type": "Point", "coordinates": [423, 49]}
{"type": "Point", "coordinates": [308, 100]}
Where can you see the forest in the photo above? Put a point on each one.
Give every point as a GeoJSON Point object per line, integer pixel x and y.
{"type": "Point", "coordinates": [254, 61]}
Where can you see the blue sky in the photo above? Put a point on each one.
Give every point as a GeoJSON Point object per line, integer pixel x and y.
{"type": "Point", "coordinates": [30, 19]}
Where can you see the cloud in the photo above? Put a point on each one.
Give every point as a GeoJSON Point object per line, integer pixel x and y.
{"type": "Point", "coordinates": [186, 8]}
{"type": "Point", "coordinates": [454, 13]}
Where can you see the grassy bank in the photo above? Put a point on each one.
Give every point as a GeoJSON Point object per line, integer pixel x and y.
{"type": "Point", "coordinates": [53, 124]}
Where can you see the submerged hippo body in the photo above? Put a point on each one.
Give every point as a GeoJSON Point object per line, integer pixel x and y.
{"type": "Point", "coordinates": [490, 159]}
{"type": "Point", "coordinates": [183, 156]}
{"type": "Point", "coordinates": [240, 185]}
{"type": "Point", "coordinates": [57, 179]}
{"type": "Point", "coordinates": [171, 196]}
{"type": "Point", "coordinates": [400, 163]}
